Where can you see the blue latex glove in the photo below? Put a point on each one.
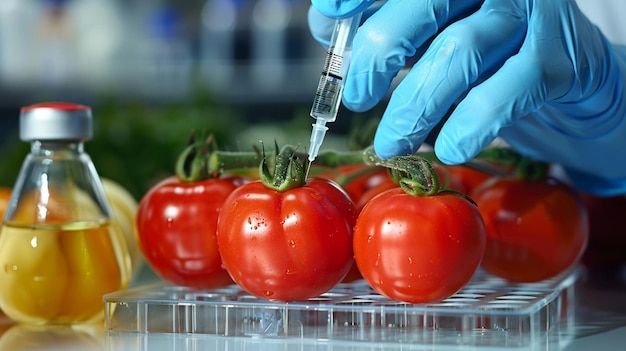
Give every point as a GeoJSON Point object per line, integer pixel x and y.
{"type": "Point", "coordinates": [535, 72]}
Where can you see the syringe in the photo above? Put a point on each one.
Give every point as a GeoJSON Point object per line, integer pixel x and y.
{"type": "Point", "coordinates": [330, 88]}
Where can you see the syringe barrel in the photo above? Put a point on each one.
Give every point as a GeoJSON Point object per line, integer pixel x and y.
{"type": "Point", "coordinates": [330, 88]}
{"type": "Point", "coordinates": [327, 98]}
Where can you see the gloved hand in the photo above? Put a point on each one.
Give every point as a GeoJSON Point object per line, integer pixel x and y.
{"type": "Point", "coordinates": [535, 72]}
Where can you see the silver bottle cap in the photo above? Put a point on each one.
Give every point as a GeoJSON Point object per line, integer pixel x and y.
{"type": "Point", "coordinates": [55, 121]}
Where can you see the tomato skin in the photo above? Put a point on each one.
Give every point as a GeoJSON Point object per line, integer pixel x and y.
{"type": "Point", "coordinates": [360, 189]}
{"type": "Point", "coordinates": [357, 187]}
{"type": "Point", "coordinates": [374, 191]}
{"type": "Point", "coordinates": [387, 183]}
{"type": "Point", "coordinates": [418, 249]}
{"type": "Point", "coordinates": [176, 225]}
{"type": "Point", "coordinates": [465, 179]}
{"type": "Point", "coordinates": [290, 245]}
{"type": "Point", "coordinates": [361, 178]}
{"type": "Point", "coordinates": [535, 230]}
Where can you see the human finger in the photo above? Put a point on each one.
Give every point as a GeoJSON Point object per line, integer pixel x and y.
{"type": "Point", "coordinates": [508, 97]}
{"type": "Point", "coordinates": [455, 60]}
{"type": "Point", "coordinates": [385, 41]}
{"type": "Point", "coordinates": [341, 8]}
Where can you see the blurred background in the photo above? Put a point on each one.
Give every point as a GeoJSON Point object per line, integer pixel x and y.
{"type": "Point", "coordinates": [154, 70]}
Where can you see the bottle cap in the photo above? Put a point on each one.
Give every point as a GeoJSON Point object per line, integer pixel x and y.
{"type": "Point", "coordinates": [55, 121]}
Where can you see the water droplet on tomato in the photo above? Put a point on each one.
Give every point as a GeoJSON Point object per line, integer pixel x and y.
{"type": "Point", "coordinates": [249, 220]}
{"type": "Point", "coordinates": [268, 293]}
{"type": "Point", "coordinates": [410, 259]}
{"type": "Point", "coordinates": [292, 244]}
{"type": "Point", "coordinates": [369, 238]}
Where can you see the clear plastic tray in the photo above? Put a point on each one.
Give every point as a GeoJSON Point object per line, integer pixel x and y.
{"type": "Point", "coordinates": [487, 312]}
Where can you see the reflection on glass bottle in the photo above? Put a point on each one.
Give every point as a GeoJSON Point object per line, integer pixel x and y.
{"type": "Point", "coordinates": [59, 251]}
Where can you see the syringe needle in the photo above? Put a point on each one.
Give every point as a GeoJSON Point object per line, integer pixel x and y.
{"type": "Point", "coordinates": [308, 169]}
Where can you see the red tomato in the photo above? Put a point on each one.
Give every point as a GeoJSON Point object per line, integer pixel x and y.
{"type": "Point", "coordinates": [371, 193]}
{"type": "Point", "coordinates": [607, 231]}
{"type": "Point", "coordinates": [465, 179]}
{"type": "Point", "coordinates": [176, 224]}
{"type": "Point", "coordinates": [353, 274]}
{"type": "Point", "coordinates": [418, 249]}
{"type": "Point", "coordinates": [362, 184]}
{"type": "Point", "coordinates": [289, 245]}
{"type": "Point", "coordinates": [366, 182]}
{"type": "Point", "coordinates": [357, 179]}
{"type": "Point", "coordinates": [387, 183]}
{"type": "Point", "coordinates": [535, 230]}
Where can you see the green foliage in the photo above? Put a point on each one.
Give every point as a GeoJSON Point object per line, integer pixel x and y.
{"type": "Point", "coordinates": [136, 144]}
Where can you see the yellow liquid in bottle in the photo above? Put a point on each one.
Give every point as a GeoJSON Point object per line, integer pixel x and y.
{"type": "Point", "coordinates": [58, 273]}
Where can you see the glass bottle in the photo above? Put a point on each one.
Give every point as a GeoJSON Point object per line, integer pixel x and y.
{"type": "Point", "coordinates": [59, 251]}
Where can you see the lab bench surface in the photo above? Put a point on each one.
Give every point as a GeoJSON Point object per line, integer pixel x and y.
{"type": "Point", "coordinates": [598, 322]}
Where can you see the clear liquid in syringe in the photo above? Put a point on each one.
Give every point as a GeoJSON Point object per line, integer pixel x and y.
{"type": "Point", "coordinates": [329, 90]}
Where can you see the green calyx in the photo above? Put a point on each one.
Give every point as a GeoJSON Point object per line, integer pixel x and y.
{"type": "Point", "coordinates": [192, 163]}
{"type": "Point", "coordinates": [415, 174]}
{"type": "Point", "coordinates": [288, 170]}
{"type": "Point", "coordinates": [201, 160]}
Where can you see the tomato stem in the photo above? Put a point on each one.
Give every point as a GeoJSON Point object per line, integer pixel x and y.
{"type": "Point", "coordinates": [220, 161]}
{"type": "Point", "coordinates": [531, 170]}
{"type": "Point", "coordinates": [414, 173]}
{"type": "Point", "coordinates": [333, 159]}
{"type": "Point", "coordinates": [191, 164]}
{"type": "Point", "coordinates": [289, 170]}
{"type": "Point", "coordinates": [514, 164]}
{"type": "Point", "coordinates": [503, 157]}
